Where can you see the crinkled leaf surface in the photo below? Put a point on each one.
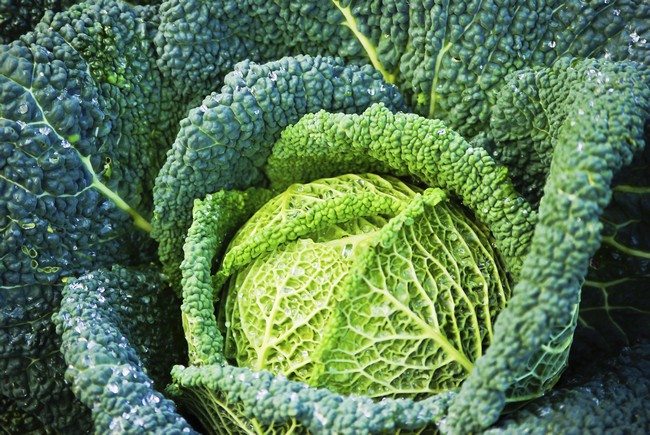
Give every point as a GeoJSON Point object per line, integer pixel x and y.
{"type": "Point", "coordinates": [120, 332]}
{"type": "Point", "coordinates": [79, 143]}
{"type": "Point", "coordinates": [449, 58]}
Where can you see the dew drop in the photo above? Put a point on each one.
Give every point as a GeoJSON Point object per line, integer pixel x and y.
{"type": "Point", "coordinates": [320, 417]}
{"type": "Point", "coordinates": [297, 271]}
{"type": "Point", "coordinates": [380, 311]}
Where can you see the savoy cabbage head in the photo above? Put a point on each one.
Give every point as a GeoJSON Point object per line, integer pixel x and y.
{"type": "Point", "coordinates": [363, 285]}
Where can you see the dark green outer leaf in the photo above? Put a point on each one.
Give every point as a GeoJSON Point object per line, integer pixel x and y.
{"type": "Point", "coordinates": [448, 57]}
{"type": "Point", "coordinates": [593, 144]}
{"type": "Point", "coordinates": [120, 328]}
{"type": "Point", "coordinates": [526, 122]}
{"type": "Point", "coordinates": [79, 141]}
